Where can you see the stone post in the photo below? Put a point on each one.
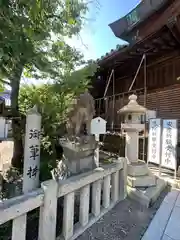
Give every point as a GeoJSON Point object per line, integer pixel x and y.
{"type": "Point", "coordinates": [98, 126]}
{"type": "Point", "coordinates": [132, 146]}
{"type": "Point", "coordinates": [32, 150]}
{"type": "Point", "coordinates": [96, 151]}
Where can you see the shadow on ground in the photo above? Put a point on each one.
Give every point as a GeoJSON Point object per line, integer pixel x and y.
{"type": "Point", "coordinates": [127, 221]}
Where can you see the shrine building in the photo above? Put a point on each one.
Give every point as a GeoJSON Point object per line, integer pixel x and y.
{"type": "Point", "coordinates": [149, 65]}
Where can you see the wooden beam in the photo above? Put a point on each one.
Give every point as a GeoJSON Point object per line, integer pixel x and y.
{"type": "Point", "coordinates": [169, 39]}
{"type": "Point", "coordinates": [165, 47]}
{"type": "Point", "coordinates": [172, 26]}
{"type": "Point", "coordinates": [158, 41]}
{"type": "Point", "coordinates": [158, 20]}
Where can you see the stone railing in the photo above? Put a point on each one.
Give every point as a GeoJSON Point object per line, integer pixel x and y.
{"type": "Point", "coordinates": [100, 189]}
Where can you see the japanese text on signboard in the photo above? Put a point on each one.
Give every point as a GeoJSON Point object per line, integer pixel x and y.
{"type": "Point", "coordinates": [154, 141]}
{"type": "Point", "coordinates": [154, 138]}
{"type": "Point", "coordinates": [168, 143]}
{"type": "Point", "coordinates": [169, 139]}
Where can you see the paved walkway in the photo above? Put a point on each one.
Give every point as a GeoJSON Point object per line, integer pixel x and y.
{"type": "Point", "coordinates": [126, 221]}
{"type": "Point", "coordinates": [166, 223]}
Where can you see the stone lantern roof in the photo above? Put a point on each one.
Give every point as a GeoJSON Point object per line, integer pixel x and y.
{"type": "Point", "coordinates": [132, 106]}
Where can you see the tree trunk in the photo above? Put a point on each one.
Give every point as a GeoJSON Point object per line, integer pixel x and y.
{"type": "Point", "coordinates": [16, 120]}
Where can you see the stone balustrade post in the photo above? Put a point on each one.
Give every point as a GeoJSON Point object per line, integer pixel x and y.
{"type": "Point", "coordinates": [48, 211]}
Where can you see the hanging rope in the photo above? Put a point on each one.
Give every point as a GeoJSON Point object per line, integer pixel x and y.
{"type": "Point", "coordinates": [113, 104]}
{"type": "Point", "coordinates": [107, 86]}
{"type": "Point", "coordinates": [143, 57]}
{"type": "Point", "coordinates": [145, 95]}
{"type": "Point", "coordinates": [104, 98]}
{"type": "Point", "coordinates": [145, 100]}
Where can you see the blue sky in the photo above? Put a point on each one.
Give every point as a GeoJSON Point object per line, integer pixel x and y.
{"type": "Point", "coordinates": [96, 37]}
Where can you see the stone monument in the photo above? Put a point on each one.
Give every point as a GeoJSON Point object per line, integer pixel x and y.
{"type": "Point", "coordinates": [142, 184]}
{"type": "Point", "coordinates": [32, 151]}
{"type": "Point", "coordinates": [79, 145]}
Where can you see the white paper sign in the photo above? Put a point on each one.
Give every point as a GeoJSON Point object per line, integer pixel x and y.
{"type": "Point", "coordinates": [98, 126]}
{"type": "Point", "coordinates": [154, 141]}
{"type": "Point", "coordinates": [169, 144]}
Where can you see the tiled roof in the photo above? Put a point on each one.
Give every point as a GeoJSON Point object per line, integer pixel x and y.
{"type": "Point", "coordinates": [118, 48]}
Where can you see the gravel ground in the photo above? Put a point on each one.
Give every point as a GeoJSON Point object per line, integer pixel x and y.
{"type": "Point", "coordinates": [126, 221]}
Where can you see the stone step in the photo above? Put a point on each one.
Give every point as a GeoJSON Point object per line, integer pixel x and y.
{"type": "Point", "coordinates": [147, 196]}
{"type": "Point", "coordinates": [142, 181]}
{"type": "Point", "coordinates": [138, 168]}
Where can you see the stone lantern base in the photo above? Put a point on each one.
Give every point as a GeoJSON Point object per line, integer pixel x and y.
{"type": "Point", "coordinates": [138, 168]}
{"type": "Point", "coordinates": [140, 176]}
{"type": "Point", "coordinates": [143, 185]}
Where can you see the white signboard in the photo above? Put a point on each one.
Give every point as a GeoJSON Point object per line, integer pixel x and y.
{"type": "Point", "coordinates": [169, 144]}
{"type": "Point", "coordinates": [98, 126]}
{"type": "Point", "coordinates": [150, 114]}
{"type": "Point", "coordinates": [154, 141]}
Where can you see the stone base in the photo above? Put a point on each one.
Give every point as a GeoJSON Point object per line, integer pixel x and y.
{"type": "Point", "coordinates": [77, 166]}
{"type": "Point", "coordinates": [147, 196]}
{"type": "Point", "coordinates": [75, 150]}
{"type": "Point", "coordinates": [142, 181]}
{"type": "Point", "coordinates": [79, 156]}
{"type": "Point", "coordinates": [138, 168]}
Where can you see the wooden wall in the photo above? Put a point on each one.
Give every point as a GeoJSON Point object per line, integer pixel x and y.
{"type": "Point", "coordinates": [163, 91]}
{"type": "Point", "coordinates": [163, 96]}
{"type": "Point", "coordinates": [166, 101]}
{"type": "Point", "coordinates": [159, 75]}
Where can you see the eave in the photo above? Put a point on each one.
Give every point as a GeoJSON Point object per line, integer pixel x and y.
{"type": "Point", "coordinates": [138, 15]}
{"type": "Point", "coordinates": [161, 43]}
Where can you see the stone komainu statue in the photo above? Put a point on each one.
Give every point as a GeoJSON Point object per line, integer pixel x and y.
{"type": "Point", "coordinates": [82, 113]}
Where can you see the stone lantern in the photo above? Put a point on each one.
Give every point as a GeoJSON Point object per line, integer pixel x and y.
{"type": "Point", "coordinates": [142, 184]}
{"type": "Point", "coordinates": [133, 113]}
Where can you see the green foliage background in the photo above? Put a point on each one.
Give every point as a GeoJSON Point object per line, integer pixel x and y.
{"type": "Point", "coordinates": [53, 102]}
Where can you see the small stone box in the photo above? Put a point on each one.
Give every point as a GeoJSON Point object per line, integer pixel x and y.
{"type": "Point", "coordinates": [98, 126]}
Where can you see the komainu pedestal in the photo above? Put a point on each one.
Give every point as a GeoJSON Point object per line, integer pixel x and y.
{"type": "Point", "coordinates": [79, 157]}
{"type": "Point", "coordinates": [79, 145]}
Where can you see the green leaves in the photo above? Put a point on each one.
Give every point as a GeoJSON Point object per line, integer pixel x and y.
{"type": "Point", "coordinates": [2, 88]}
{"type": "Point", "coordinates": [32, 44]}
{"type": "Point", "coordinates": [26, 33]}
{"type": "Point", "coordinates": [53, 101]}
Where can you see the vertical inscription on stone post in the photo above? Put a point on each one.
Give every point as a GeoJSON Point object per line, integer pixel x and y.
{"type": "Point", "coordinates": [32, 151]}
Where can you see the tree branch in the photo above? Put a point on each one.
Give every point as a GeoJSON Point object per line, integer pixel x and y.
{"type": "Point", "coordinates": [5, 82]}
